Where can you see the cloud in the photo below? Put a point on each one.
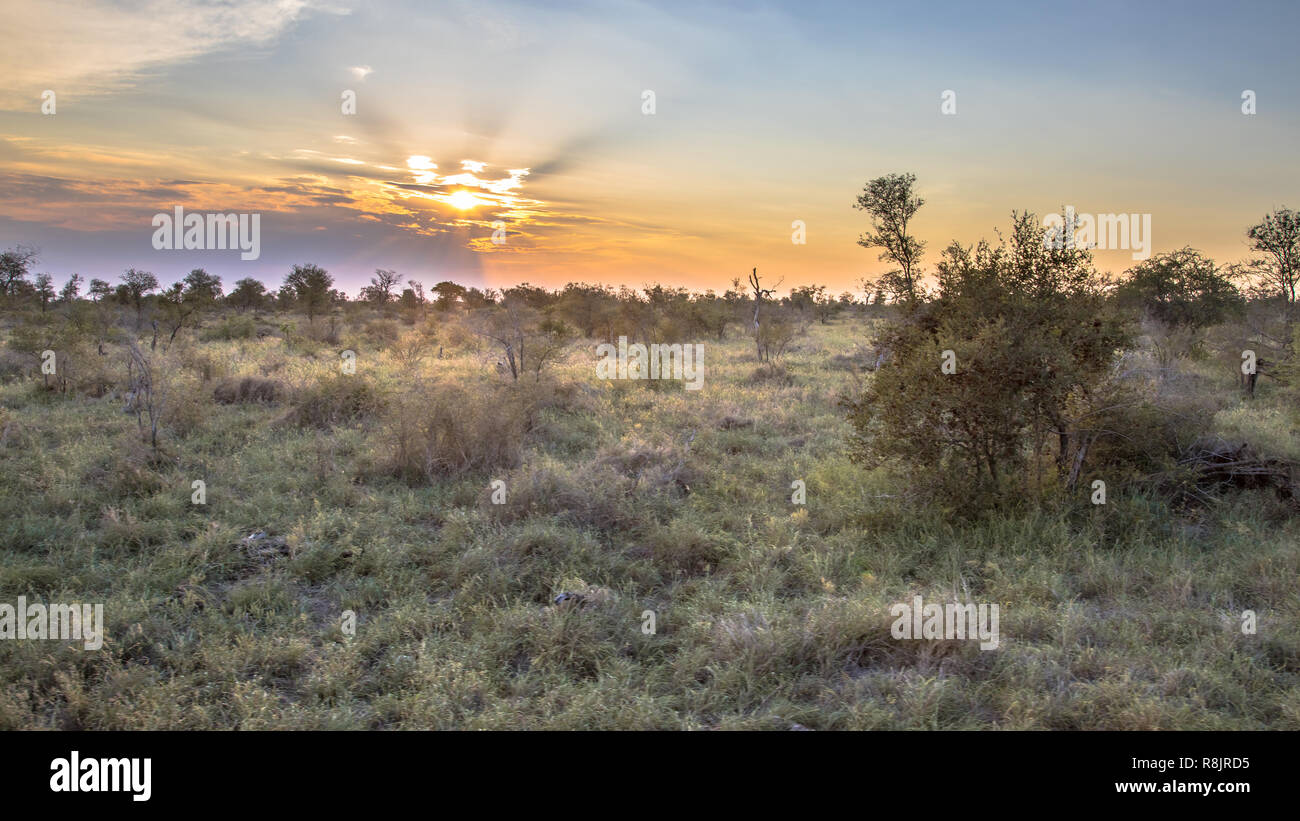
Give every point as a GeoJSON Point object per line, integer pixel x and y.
{"type": "Point", "coordinates": [83, 47]}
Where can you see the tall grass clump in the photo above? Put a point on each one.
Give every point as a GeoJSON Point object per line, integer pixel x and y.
{"type": "Point", "coordinates": [338, 400]}
{"type": "Point", "coordinates": [441, 429]}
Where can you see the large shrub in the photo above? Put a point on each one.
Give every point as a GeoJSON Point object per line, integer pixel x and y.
{"type": "Point", "coordinates": [1031, 336]}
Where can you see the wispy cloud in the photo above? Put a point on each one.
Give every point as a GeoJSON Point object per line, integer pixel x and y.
{"type": "Point", "coordinates": [83, 47]}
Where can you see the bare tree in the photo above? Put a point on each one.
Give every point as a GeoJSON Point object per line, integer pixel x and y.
{"type": "Point", "coordinates": [761, 294]}
{"type": "Point", "coordinates": [528, 340]}
{"type": "Point", "coordinates": [380, 289]}
{"type": "Point", "coordinates": [148, 397]}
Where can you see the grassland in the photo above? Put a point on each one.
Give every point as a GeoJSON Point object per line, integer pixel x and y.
{"type": "Point", "coordinates": [638, 495]}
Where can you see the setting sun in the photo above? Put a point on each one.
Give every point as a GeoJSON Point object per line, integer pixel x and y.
{"type": "Point", "coordinates": [463, 200]}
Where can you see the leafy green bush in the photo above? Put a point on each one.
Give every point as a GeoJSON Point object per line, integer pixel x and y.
{"type": "Point", "coordinates": [1027, 336]}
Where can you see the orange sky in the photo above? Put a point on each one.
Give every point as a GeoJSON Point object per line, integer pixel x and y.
{"type": "Point", "coordinates": [533, 120]}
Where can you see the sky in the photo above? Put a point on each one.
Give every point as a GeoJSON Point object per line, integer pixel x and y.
{"type": "Point", "coordinates": [494, 143]}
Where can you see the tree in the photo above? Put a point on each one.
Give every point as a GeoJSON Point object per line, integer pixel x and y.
{"type": "Point", "coordinates": [409, 304]}
{"type": "Point", "coordinates": [71, 289]}
{"type": "Point", "coordinates": [99, 289]}
{"type": "Point", "coordinates": [448, 294]}
{"type": "Point", "coordinates": [534, 296]}
{"type": "Point", "coordinates": [285, 297]}
{"type": "Point", "coordinates": [711, 314]}
{"type": "Point", "coordinates": [421, 301]}
{"type": "Point", "coordinates": [248, 293]}
{"type": "Point", "coordinates": [1278, 236]}
{"type": "Point", "coordinates": [761, 295]}
{"type": "Point", "coordinates": [174, 311]}
{"type": "Point", "coordinates": [15, 264]}
{"type": "Point", "coordinates": [583, 305]}
{"type": "Point", "coordinates": [1181, 289]}
{"type": "Point", "coordinates": [137, 285]}
{"type": "Point", "coordinates": [528, 340]}
{"type": "Point", "coordinates": [198, 291]}
{"type": "Point", "coordinates": [814, 298]}
{"type": "Point", "coordinates": [44, 290]}
{"type": "Point", "coordinates": [149, 392]}
{"type": "Point", "coordinates": [201, 288]}
{"type": "Point", "coordinates": [380, 289]}
{"type": "Point", "coordinates": [1183, 292]}
{"type": "Point", "coordinates": [474, 298]}
{"type": "Point", "coordinates": [311, 286]}
{"type": "Point", "coordinates": [891, 204]}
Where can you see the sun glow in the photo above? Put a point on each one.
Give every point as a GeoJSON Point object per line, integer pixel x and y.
{"type": "Point", "coordinates": [464, 200]}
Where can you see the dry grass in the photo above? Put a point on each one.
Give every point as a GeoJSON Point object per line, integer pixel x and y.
{"type": "Point", "coordinates": [440, 429]}
{"type": "Point", "coordinates": [378, 499]}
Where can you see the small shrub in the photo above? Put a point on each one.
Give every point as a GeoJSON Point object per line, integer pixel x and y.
{"type": "Point", "coordinates": [443, 429]}
{"type": "Point", "coordinates": [202, 363]}
{"type": "Point", "coordinates": [684, 546]}
{"type": "Point", "coordinates": [130, 470]}
{"type": "Point", "coordinates": [773, 373]}
{"type": "Point", "coordinates": [235, 327]}
{"type": "Point", "coordinates": [248, 389]}
{"type": "Point", "coordinates": [335, 401]}
{"type": "Point", "coordinates": [15, 366]}
{"type": "Point", "coordinates": [592, 496]}
{"type": "Point", "coordinates": [382, 332]}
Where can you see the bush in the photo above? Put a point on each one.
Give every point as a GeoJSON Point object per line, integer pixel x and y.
{"type": "Point", "coordinates": [382, 332]}
{"type": "Point", "coordinates": [685, 547]}
{"type": "Point", "coordinates": [130, 470]}
{"type": "Point", "coordinates": [235, 327]}
{"type": "Point", "coordinates": [248, 389]}
{"type": "Point", "coordinates": [335, 401]}
{"type": "Point", "coordinates": [203, 363]}
{"type": "Point", "coordinates": [1270, 430]}
{"type": "Point", "coordinates": [1033, 341]}
{"type": "Point", "coordinates": [595, 496]}
{"type": "Point", "coordinates": [775, 373]}
{"type": "Point", "coordinates": [442, 429]}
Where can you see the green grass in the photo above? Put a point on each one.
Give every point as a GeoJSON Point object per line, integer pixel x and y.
{"type": "Point", "coordinates": [1124, 616]}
